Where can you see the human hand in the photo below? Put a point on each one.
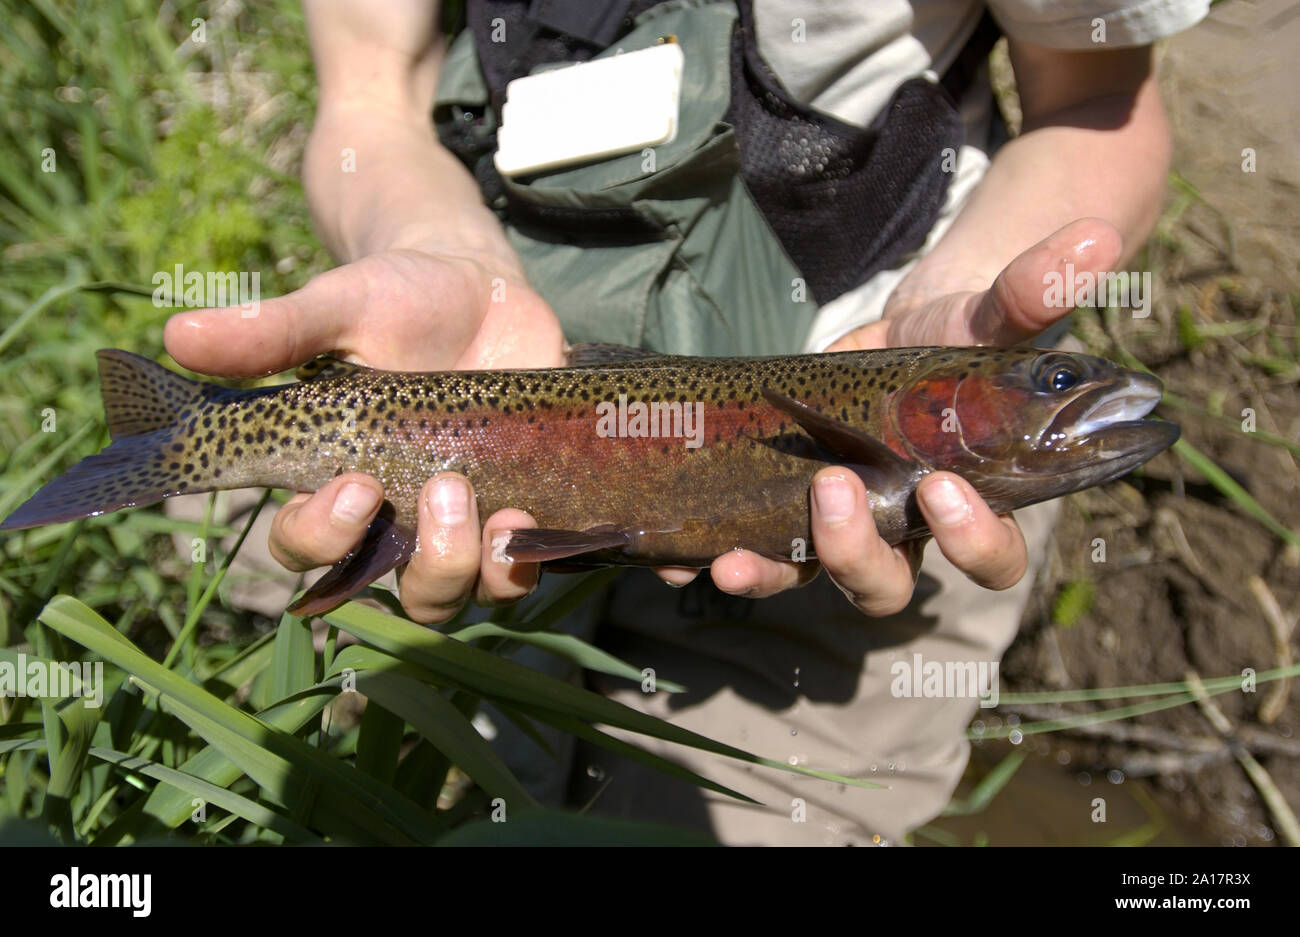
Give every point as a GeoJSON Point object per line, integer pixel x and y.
{"type": "Point", "coordinates": [397, 310]}
{"type": "Point", "coordinates": [988, 548]}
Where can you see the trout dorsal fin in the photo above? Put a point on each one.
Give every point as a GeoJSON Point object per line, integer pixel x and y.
{"type": "Point", "coordinates": [880, 468]}
{"type": "Point", "coordinates": [597, 354]}
{"type": "Point", "coordinates": [323, 366]}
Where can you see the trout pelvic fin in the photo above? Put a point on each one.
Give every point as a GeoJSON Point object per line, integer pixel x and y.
{"type": "Point", "coordinates": [540, 545]}
{"type": "Point", "coordinates": [880, 468]}
{"type": "Point", "coordinates": [385, 545]}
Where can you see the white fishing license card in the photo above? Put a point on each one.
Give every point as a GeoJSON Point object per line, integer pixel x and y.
{"type": "Point", "coordinates": [590, 111]}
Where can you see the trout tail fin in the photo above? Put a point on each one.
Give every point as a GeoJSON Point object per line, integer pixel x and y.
{"type": "Point", "coordinates": [151, 415]}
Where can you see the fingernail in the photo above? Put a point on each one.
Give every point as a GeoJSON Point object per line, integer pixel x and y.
{"type": "Point", "coordinates": [499, 545]}
{"type": "Point", "coordinates": [354, 503]}
{"type": "Point", "coordinates": [449, 501]}
{"type": "Point", "coordinates": [834, 499]}
{"type": "Point", "coordinates": [946, 502]}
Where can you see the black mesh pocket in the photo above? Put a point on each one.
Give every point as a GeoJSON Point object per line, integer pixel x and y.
{"type": "Point", "coordinates": [845, 202]}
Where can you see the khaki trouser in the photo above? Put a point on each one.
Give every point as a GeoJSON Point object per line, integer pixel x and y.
{"type": "Point", "coordinates": [799, 677]}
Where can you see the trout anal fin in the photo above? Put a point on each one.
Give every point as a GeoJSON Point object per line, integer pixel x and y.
{"type": "Point", "coordinates": [385, 545]}
{"type": "Point", "coordinates": [881, 469]}
{"type": "Point", "coordinates": [540, 545]}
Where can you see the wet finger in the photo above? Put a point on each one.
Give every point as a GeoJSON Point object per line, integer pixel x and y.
{"type": "Point", "coordinates": [876, 577]}
{"type": "Point", "coordinates": [501, 580]}
{"type": "Point", "coordinates": [319, 529]}
{"type": "Point", "coordinates": [441, 573]}
{"type": "Point", "coordinates": [988, 548]}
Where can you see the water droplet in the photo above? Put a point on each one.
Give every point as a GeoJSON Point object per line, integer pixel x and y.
{"type": "Point", "coordinates": [1063, 757]}
{"type": "Point", "coordinates": [977, 727]}
{"type": "Point", "coordinates": [1016, 737]}
{"type": "Point", "coordinates": [873, 769]}
{"type": "Point", "coordinates": [1115, 776]}
{"type": "Point", "coordinates": [595, 771]}
{"type": "Point", "coordinates": [891, 767]}
{"type": "Point", "coordinates": [1084, 778]}
{"type": "Point", "coordinates": [1013, 720]}
{"type": "Point", "coordinates": [794, 731]}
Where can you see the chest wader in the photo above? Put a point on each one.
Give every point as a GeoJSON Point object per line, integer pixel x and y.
{"type": "Point", "coordinates": [725, 240]}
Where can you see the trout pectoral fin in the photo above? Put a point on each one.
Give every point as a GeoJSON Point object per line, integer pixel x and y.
{"type": "Point", "coordinates": [539, 545]}
{"type": "Point", "coordinates": [385, 545]}
{"type": "Point", "coordinates": [880, 468]}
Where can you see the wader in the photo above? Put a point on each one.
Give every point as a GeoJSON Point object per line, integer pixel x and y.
{"type": "Point", "coordinates": [724, 241]}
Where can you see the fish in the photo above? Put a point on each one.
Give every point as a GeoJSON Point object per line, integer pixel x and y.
{"type": "Point", "coordinates": [623, 456]}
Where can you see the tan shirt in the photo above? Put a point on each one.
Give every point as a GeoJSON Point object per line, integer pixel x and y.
{"type": "Point", "coordinates": [847, 58]}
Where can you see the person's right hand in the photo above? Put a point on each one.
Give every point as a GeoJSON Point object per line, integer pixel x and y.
{"type": "Point", "coordinates": [397, 310]}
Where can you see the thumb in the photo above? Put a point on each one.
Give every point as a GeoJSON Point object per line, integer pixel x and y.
{"type": "Point", "coordinates": [266, 336]}
{"type": "Point", "coordinates": [1019, 305]}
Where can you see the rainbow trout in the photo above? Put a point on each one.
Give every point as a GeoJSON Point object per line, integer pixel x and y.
{"type": "Point", "coordinates": [624, 457]}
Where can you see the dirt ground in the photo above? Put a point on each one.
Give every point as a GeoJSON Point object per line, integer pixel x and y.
{"type": "Point", "coordinates": [1187, 575]}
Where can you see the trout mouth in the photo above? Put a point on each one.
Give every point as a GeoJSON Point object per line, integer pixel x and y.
{"type": "Point", "coordinates": [1110, 420]}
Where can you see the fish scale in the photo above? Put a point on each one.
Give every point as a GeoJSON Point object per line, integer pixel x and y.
{"type": "Point", "coordinates": [535, 440]}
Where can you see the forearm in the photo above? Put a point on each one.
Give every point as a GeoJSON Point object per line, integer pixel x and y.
{"type": "Point", "coordinates": [407, 191]}
{"type": "Point", "coordinates": [1106, 157]}
{"type": "Point", "coordinates": [375, 174]}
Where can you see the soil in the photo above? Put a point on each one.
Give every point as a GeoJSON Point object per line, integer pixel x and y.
{"type": "Point", "coordinates": [1174, 593]}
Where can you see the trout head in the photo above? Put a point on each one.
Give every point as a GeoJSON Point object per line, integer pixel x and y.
{"type": "Point", "coordinates": [1024, 425]}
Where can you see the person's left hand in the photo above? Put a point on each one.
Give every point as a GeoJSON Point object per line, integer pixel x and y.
{"type": "Point", "coordinates": [988, 548]}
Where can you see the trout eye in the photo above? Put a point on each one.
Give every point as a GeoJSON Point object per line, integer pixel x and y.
{"type": "Point", "coordinates": [1056, 375]}
{"type": "Point", "coordinates": [1063, 379]}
